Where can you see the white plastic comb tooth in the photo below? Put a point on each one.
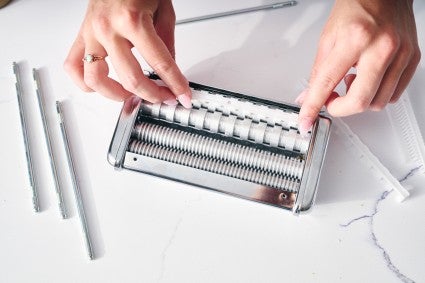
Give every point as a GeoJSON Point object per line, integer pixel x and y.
{"type": "Point", "coordinates": [212, 121]}
{"type": "Point", "coordinates": [243, 109]}
{"type": "Point", "coordinates": [230, 125]}
{"type": "Point", "coordinates": [404, 123]}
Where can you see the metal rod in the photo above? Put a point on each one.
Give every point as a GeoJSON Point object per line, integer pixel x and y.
{"type": "Point", "coordinates": [41, 105]}
{"type": "Point", "coordinates": [276, 5]}
{"type": "Point", "coordinates": [28, 154]}
{"type": "Point", "coordinates": [75, 184]}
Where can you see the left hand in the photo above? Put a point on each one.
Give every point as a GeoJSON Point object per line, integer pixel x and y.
{"type": "Point", "coordinates": [111, 28]}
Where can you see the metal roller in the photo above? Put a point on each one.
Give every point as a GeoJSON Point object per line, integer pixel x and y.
{"type": "Point", "coordinates": [219, 149]}
{"type": "Point", "coordinates": [212, 165]}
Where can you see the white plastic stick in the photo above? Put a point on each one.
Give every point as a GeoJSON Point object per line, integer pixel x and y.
{"type": "Point", "coordinates": [404, 123]}
{"type": "Point", "coordinates": [371, 160]}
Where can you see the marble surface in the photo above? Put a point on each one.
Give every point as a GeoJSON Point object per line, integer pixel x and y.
{"type": "Point", "coordinates": [146, 229]}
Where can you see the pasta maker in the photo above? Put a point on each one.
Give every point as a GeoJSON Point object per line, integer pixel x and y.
{"type": "Point", "coordinates": [228, 142]}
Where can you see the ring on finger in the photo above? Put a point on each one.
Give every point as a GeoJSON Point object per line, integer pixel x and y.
{"type": "Point", "coordinates": [91, 58]}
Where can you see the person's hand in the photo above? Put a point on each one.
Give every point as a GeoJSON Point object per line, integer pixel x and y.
{"type": "Point", "coordinates": [379, 39]}
{"type": "Point", "coordinates": [111, 28]}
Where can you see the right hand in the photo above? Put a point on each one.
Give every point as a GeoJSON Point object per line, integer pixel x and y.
{"type": "Point", "coordinates": [112, 28]}
{"type": "Point", "coordinates": [379, 39]}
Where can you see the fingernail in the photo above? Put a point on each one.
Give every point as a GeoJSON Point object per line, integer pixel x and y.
{"type": "Point", "coordinates": [304, 126]}
{"type": "Point", "coordinates": [185, 100]}
{"type": "Point", "coordinates": [171, 102]}
{"type": "Point", "coordinates": [300, 98]}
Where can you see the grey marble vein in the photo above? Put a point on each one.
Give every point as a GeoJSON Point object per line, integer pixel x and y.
{"type": "Point", "coordinates": [410, 173]}
{"type": "Point", "coordinates": [375, 211]}
{"type": "Point", "coordinates": [173, 236]}
{"type": "Point", "coordinates": [167, 246]}
{"type": "Point", "coordinates": [383, 196]}
{"type": "Point", "coordinates": [375, 240]}
{"type": "Point", "coordinates": [386, 256]}
{"type": "Point", "coordinates": [355, 220]}
{"type": "Point", "coordinates": [387, 259]}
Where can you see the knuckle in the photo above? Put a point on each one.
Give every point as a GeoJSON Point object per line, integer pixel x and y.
{"type": "Point", "coordinates": [407, 52]}
{"type": "Point", "coordinates": [129, 20]}
{"type": "Point", "coordinates": [163, 66]}
{"type": "Point", "coordinates": [132, 83]}
{"type": "Point", "coordinates": [325, 82]}
{"type": "Point", "coordinates": [145, 18]}
{"type": "Point", "coordinates": [360, 104]}
{"type": "Point", "coordinates": [150, 96]}
{"type": "Point", "coordinates": [377, 106]}
{"type": "Point", "coordinates": [102, 25]}
{"type": "Point", "coordinates": [389, 43]}
{"type": "Point", "coordinates": [92, 79]}
{"type": "Point", "coordinates": [69, 66]}
{"type": "Point", "coordinates": [360, 32]}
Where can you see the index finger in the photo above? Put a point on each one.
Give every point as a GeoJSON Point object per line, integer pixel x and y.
{"type": "Point", "coordinates": [325, 77]}
{"type": "Point", "coordinates": [157, 55]}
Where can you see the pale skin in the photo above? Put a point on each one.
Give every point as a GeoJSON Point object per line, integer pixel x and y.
{"type": "Point", "coordinates": [377, 37]}
{"type": "Point", "coordinates": [112, 28]}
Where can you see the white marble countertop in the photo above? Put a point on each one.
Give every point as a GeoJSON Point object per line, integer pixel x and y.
{"type": "Point", "coordinates": [146, 229]}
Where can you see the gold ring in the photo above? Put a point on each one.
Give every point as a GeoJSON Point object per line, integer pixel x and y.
{"type": "Point", "coordinates": [90, 58]}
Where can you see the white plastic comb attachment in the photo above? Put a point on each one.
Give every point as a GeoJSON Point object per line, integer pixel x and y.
{"type": "Point", "coordinates": [358, 148]}
{"type": "Point", "coordinates": [230, 125]}
{"type": "Point", "coordinates": [244, 109]}
{"type": "Point", "coordinates": [405, 125]}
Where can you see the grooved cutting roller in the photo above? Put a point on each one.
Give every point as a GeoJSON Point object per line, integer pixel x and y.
{"type": "Point", "coordinates": [228, 142]}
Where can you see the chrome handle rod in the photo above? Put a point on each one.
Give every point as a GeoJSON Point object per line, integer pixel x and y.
{"type": "Point", "coordinates": [41, 105]}
{"type": "Point", "coordinates": [239, 11]}
{"type": "Point", "coordinates": [24, 127]}
{"type": "Point", "coordinates": [75, 184]}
